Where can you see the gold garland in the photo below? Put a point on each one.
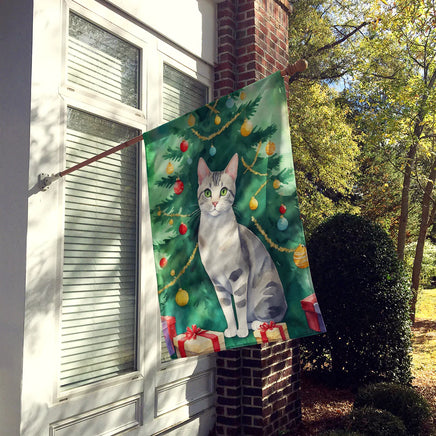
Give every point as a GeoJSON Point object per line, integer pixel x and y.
{"type": "Point", "coordinates": [159, 213]}
{"type": "Point", "coordinates": [250, 167]}
{"type": "Point", "coordinates": [270, 242]}
{"type": "Point", "coordinates": [191, 258]}
{"type": "Point", "coordinates": [208, 138]}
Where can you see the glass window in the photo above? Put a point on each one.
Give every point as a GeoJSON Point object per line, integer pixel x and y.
{"type": "Point", "coordinates": [181, 94]}
{"type": "Point", "coordinates": [102, 62]}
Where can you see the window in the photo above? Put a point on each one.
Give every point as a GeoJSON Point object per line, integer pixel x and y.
{"type": "Point", "coordinates": [181, 94]}
{"type": "Point", "coordinates": [99, 285]}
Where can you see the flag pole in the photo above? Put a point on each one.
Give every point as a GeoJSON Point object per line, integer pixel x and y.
{"type": "Point", "coordinates": [297, 67]}
{"type": "Point", "coordinates": [45, 180]}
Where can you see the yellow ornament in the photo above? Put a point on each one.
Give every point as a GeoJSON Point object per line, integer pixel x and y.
{"type": "Point", "coordinates": [276, 184]}
{"type": "Point", "coordinates": [182, 297]}
{"type": "Point", "coordinates": [270, 148]}
{"type": "Point", "coordinates": [253, 203]}
{"type": "Point", "coordinates": [300, 257]}
{"type": "Point", "coordinates": [170, 168]}
{"type": "Point", "coordinates": [173, 273]}
{"type": "Point", "coordinates": [191, 120]}
{"type": "Point", "coordinates": [217, 119]}
{"type": "Point", "coordinates": [246, 127]}
{"type": "Point", "coordinates": [171, 222]}
{"type": "Point", "coordinates": [242, 95]}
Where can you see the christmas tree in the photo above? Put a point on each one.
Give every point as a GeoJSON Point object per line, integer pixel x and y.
{"type": "Point", "coordinates": [248, 122]}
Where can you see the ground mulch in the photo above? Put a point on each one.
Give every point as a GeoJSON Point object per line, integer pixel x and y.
{"type": "Point", "coordinates": [324, 407]}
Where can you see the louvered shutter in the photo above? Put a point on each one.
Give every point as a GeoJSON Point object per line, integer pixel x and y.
{"type": "Point", "coordinates": [181, 94]}
{"type": "Point", "coordinates": [99, 274]}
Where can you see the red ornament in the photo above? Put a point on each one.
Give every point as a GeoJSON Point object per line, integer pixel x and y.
{"type": "Point", "coordinates": [183, 228]}
{"type": "Point", "coordinates": [282, 209]}
{"type": "Point", "coordinates": [178, 187]}
{"type": "Point", "coordinates": [184, 145]}
{"type": "Point", "coordinates": [163, 262]}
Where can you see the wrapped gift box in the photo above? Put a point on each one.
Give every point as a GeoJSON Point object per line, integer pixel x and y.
{"type": "Point", "coordinates": [197, 341]}
{"type": "Point", "coordinates": [169, 331]}
{"type": "Point", "coordinates": [271, 332]}
{"type": "Point", "coordinates": [313, 313]}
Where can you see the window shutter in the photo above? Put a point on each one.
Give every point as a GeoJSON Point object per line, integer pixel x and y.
{"type": "Point", "coordinates": [181, 94]}
{"type": "Point", "coordinates": [98, 325]}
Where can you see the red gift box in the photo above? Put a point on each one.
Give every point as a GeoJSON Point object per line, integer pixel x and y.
{"type": "Point", "coordinates": [313, 313]}
{"type": "Point", "coordinates": [197, 341]}
{"type": "Point", "coordinates": [271, 332]}
{"type": "Point", "coordinates": [169, 331]}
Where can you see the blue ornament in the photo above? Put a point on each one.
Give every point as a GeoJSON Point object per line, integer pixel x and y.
{"type": "Point", "coordinates": [282, 223]}
{"type": "Point", "coordinates": [189, 160]}
{"type": "Point", "coordinates": [230, 103]}
{"type": "Point", "coordinates": [212, 150]}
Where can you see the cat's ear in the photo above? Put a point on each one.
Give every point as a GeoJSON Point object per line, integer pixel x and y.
{"type": "Point", "coordinates": [202, 170]}
{"type": "Point", "coordinates": [232, 167]}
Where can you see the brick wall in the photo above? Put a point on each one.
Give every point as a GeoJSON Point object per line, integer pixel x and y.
{"type": "Point", "coordinates": [258, 387]}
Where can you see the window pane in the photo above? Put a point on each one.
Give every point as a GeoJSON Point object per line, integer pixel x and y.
{"type": "Point", "coordinates": [181, 94]}
{"type": "Point", "coordinates": [102, 62]}
{"type": "Point", "coordinates": [99, 298]}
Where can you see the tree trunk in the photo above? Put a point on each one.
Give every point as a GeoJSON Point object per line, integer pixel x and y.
{"type": "Point", "coordinates": [426, 221]}
{"type": "Point", "coordinates": [404, 214]}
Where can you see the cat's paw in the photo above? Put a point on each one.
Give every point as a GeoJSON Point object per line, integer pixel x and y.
{"type": "Point", "coordinates": [230, 333]}
{"type": "Point", "coordinates": [242, 333]}
{"type": "Point", "coordinates": [255, 325]}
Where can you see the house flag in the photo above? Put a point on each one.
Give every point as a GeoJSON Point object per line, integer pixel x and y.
{"type": "Point", "coordinates": [229, 248]}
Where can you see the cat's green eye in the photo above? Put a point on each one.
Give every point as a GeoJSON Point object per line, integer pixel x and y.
{"type": "Point", "coordinates": [223, 192]}
{"type": "Point", "coordinates": [207, 193]}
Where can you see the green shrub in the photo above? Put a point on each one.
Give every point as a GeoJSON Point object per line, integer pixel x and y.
{"type": "Point", "coordinates": [402, 401]}
{"type": "Point", "coordinates": [363, 296]}
{"type": "Point", "coordinates": [375, 422]}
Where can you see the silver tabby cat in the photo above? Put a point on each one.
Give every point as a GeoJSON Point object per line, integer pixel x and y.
{"type": "Point", "coordinates": [235, 259]}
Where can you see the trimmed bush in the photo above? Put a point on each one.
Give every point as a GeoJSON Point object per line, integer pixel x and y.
{"type": "Point", "coordinates": [402, 401]}
{"type": "Point", "coordinates": [375, 422]}
{"type": "Point", "coordinates": [363, 296]}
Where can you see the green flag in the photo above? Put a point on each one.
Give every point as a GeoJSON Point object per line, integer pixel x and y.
{"type": "Point", "coordinates": [229, 248]}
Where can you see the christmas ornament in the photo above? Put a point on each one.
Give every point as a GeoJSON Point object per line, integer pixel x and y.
{"type": "Point", "coordinates": [184, 145]}
{"type": "Point", "coordinates": [182, 297]}
{"type": "Point", "coordinates": [253, 203]}
{"type": "Point", "coordinates": [282, 223]}
{"type": "Point", "coordinates": [230, 103]}
{"type": "Point", "coordinates": [276, 184]}
{"type": "Point", "coordinates": [242, 95]}
{"type": "Point", "coordinates": [246, 127]}
{"type": "Point", "coordinates": [282, 209]}
{"type": "Point", "coordinates": [300, 257]}
{"type": "Point", "coordinates": [217, 119]}
{"type": "Point", "coordinates": [170, 168]}
{"type": "Point", "coordinates": [171, 222]}
{"type": "Point", "coordinates": [191, 120]}
{"type": "Point", "coordinates": [270, 148]}
{"type": "Point", "coordinates": [173, 273]}
{"type": "Point", "coordinates": [183, 228]}
{"type": "Point", "coordinates": [178, 187]}
{"type": "Point", "coordinates": [212, 150]}
{"type": "Point", "coordinates": [163, 262]}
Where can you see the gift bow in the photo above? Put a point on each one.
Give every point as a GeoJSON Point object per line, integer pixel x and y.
{"type": "Point", "coordinates": [265, 326]}
{"type": "Point", "coordinates": [191, 333]}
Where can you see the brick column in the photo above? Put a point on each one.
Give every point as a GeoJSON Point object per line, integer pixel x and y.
{"type": "Point", "coordinates": [258, 387]}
